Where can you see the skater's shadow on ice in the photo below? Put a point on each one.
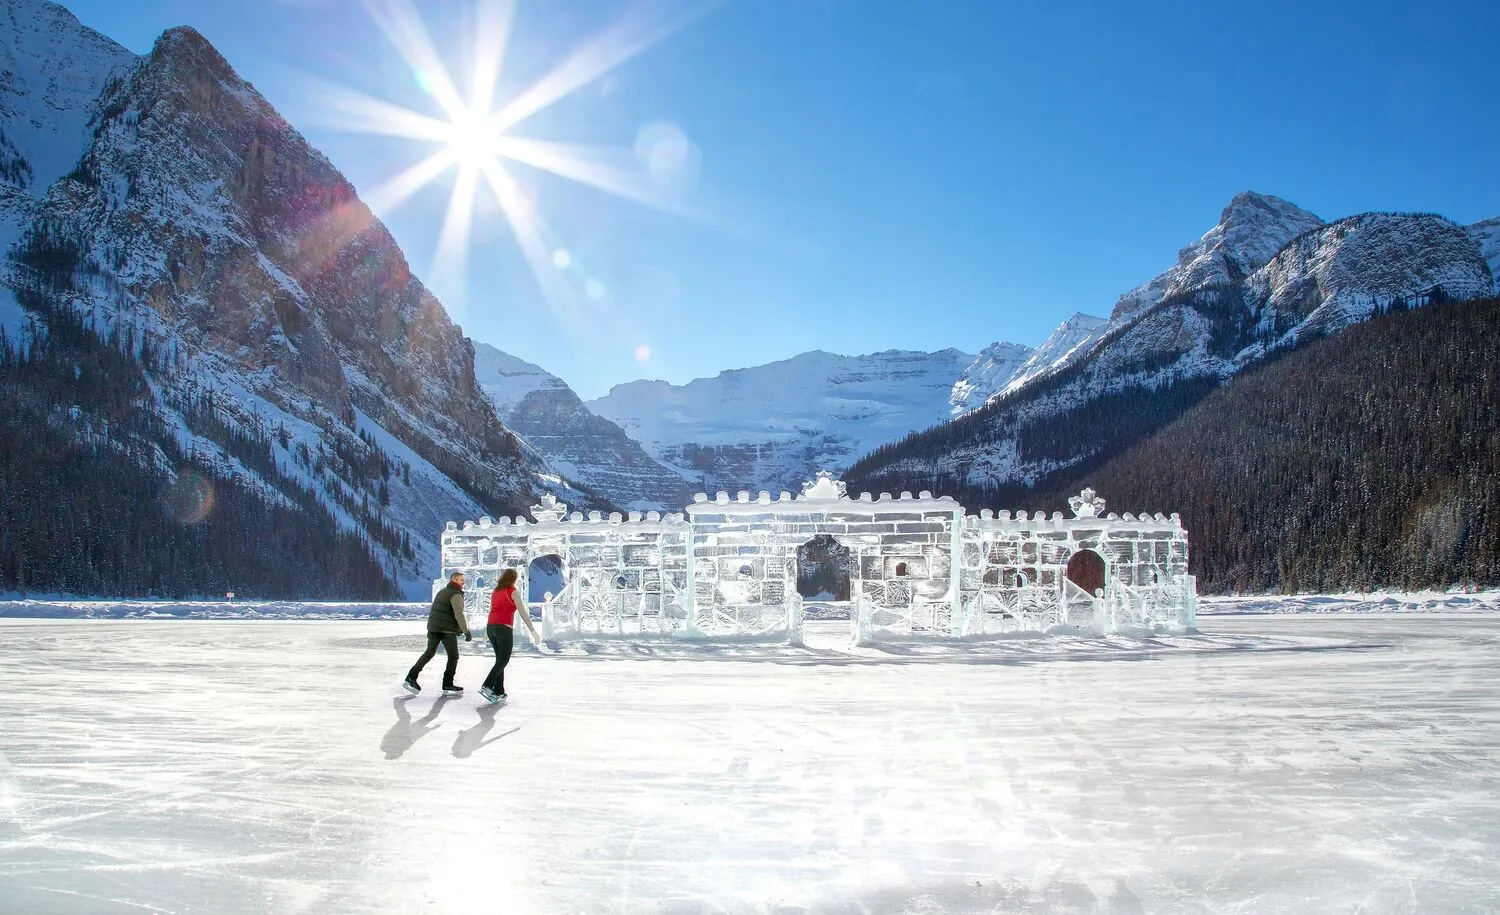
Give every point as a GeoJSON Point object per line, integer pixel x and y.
{"type": "Point", "coordinates": [407, 731]}
{"type": "Point", "coordinates": [471, 739]}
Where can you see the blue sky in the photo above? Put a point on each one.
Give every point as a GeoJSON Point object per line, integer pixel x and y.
{"type": "Point", "coordinates": [873, 174]}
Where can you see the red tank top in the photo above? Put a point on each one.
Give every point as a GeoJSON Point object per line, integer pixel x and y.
{"type": "Point", "coordinates": [503, 607]}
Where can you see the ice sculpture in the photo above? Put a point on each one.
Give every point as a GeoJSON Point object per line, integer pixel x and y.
{"type": "Point", "coordinates": [915, 566]}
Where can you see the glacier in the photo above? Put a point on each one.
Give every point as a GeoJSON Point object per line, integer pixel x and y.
{"type": "Point", "coordinates": [773, 426]}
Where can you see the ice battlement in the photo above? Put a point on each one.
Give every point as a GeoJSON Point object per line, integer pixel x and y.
{"type": "Point", "coordinates": [497, 526]}
{"type": "Point", "coordinates": [907, 565]}
{"type": "Point", "coordinates": [1004, 519]}
{"type": "Point", "coordinates": [822, 493]}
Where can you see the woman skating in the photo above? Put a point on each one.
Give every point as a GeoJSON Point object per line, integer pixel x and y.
{"type": "Point", "coordinates": [504, 607]}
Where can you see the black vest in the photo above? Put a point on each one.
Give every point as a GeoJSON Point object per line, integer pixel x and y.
{"type": "Point", "coordinates": [440, 618]}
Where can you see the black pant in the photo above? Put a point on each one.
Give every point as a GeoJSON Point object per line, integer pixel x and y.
{"type": "Point", "coordinates": [450, 645]}
{"type": "Point", "coordinates": [503, 638]}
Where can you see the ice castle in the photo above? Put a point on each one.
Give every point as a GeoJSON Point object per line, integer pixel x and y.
{"type": "Point", "coordinates": [914, 567]}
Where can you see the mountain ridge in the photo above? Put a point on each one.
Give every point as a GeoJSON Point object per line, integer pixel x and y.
{"type": "Point", "coordinates": [774, 426]}
{"type": "Point", "coordinates": [584, 446]}
{"type": "Point", "coordinates": [1173, 339]}
{"type": "Point", "coordinates": [269, 306]}
{"type": "Point", "coordinates": [1394, 488]}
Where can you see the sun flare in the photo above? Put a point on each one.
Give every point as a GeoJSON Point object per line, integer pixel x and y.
{"type": "Point", "coordinates": [472, 140]}
{"type": "Point", "coordinates": [471, 132]}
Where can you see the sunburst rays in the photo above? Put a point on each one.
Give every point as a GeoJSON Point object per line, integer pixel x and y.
{"type": "Point", "coordinates": [469, 130]}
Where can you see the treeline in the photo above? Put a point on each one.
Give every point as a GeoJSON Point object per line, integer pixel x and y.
{"type": "Point", "coordinates": [1102, 420]}
{"type": "Point", "coordinates": [1363, 460]}
{"type": "Point", "coordinates": [96, 497]}
{"type": "Point", "coordinates": [1080, 437]}
{"type": "Point", "coordinates": [1367, 459]}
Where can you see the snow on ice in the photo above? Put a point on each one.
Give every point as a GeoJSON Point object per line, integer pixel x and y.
{"type": "Point", "coordinates": [1270, 764]}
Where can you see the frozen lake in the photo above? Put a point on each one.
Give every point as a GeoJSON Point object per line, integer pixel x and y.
{"type": "Point", "coordinates": [1276, 764]}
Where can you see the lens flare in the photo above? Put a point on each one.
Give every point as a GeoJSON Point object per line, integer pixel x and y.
{"type": "Point", "coordinates": [190, 498]}
{"type": "Point", "coordinates": [469, 129]}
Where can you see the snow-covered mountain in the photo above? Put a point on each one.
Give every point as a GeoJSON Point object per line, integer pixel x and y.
{"type": "Point", "coordinates": [988, 374]}
{"type": "Point", "coordinates": [1486, 235]}
{"type": "Point", "coordinates": [1331, 276]}
{"type": "Point", "coordinates": [509, 379]}
{"type": "Point", "coordinates": [1072, 336]}
{"type": "Point", "coordinates": [52, 70]}
{"type": "Point", "coordinates": [1267, 276]}
{"type": "Point", "coordinates": [1003, 367]}
{"type": "Point", "coordinates": [1250, 230]}
{"type": "Point", "coordinates": [583, 446]}
{"type": "Point", "coordinates": [172, 210]}
{"type": "Point", "coordinates": [773, 426]}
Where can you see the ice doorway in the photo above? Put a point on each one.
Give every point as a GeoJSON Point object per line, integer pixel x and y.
{"type": "Point", "coordinates": [824, 570]}
{"type": "Point", "coordinates": [1086, 570]}
{"type": "Point", "coordinates": [544, 578]}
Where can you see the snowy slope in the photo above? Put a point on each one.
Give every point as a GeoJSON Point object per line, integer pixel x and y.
{"type": "Point", "coordinates": [1244, 290]}
{"type": "Point", "coordinates": [1072, 338]}
{"type": "Point", "coordinates": [1337, 274]}
{"type": "Point", "coordinates": [52, 69]}
{"type": "Point", "coordinates": [577, 443]}
{"type": "Point", "coordinates": [1486, 235]}
{"type": "Point", "coordinates": [773, 426]}
{"type": "Point", "coordinates": [206, 230]}
{"type": "Point", "coordinates": [1004, 367]}
{"type": "Point", "coordinates": [508, 379]}
{"type": "Point", "coordinates": [989, 373]}
{"type": "Point", "coordinates": [1250, 230]}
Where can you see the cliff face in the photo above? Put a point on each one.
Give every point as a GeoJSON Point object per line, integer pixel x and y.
{"type": "Point", "coordinates": [199, 226]}
{"type": "Point", "coordinates": [1250, 230]}
{"type": "Point", "coordinates": [577, 442]}
{"type": "Point", "coordinates": [52, 70]}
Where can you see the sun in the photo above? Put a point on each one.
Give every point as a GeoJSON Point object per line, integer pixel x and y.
{"type": "Point", "coordinates": [471, 132]}
{"type": "Point", "coordinates": [472, 140]}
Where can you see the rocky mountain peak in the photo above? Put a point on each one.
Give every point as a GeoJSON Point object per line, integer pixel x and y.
{"type": "Point", "coordinates": [245, 261]}
{"type": "Point", "coordinates": [990, 371]}
{"type": "Point", "coordinates": [52, 69]}
{"type": "Point", "coordinates": [1253, 227]}
{"type": "Point", "coordinates": [1250, 230]}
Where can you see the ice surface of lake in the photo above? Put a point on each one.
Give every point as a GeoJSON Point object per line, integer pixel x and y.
{"type": "Point", "coordinates": [1276, 764]}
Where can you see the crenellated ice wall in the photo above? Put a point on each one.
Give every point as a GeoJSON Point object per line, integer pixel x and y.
{"type": "Point", "coordinates": [727, 567]}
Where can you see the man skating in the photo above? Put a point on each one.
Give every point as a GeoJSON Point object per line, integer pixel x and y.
{"type": "Point", "coordinates": [445, 622]}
